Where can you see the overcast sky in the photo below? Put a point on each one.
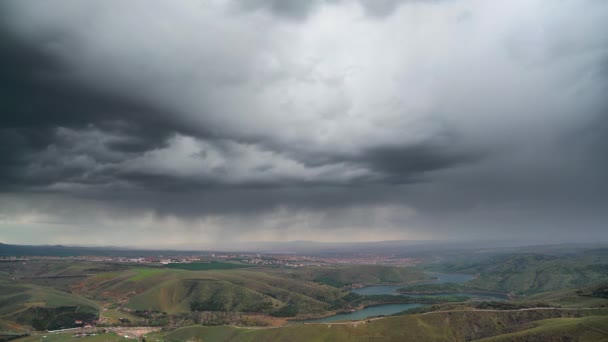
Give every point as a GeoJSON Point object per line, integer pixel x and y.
{"type": "Point", "coordinates": [206, 123]}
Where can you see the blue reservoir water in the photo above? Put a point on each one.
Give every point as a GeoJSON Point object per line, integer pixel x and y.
{"type": "Point", "coordinates": [389, 309]}
{"type": "Point", "coordinates": [370, 311]}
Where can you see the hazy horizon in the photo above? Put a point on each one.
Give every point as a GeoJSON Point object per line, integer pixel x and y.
{"type": "Point", "coordinates": [223, 123]}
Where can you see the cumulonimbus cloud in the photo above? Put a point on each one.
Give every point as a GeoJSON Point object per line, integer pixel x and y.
{"type": "Point", "coordinates": [437, 100]}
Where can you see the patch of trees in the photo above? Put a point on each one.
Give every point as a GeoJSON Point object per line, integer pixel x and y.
{"type": "Point", "coordinates": [148, 314]}
{"type": "Point", "coordinates": [211, 318]}
{"type": "Point", "coordinates": [601, 291]}
{"type": "Point", "coordinates": [353, 300]}
{"type": "Point", "coordinates": [63, 317]}
{"type": "Point", "coordinates": [289, 310]}
{"type": "Point", "coordinates": [211, 304]}
{"type": "Point", "coordinates": [429, 288]}
{"type": "Point", "coordinates": [331, 282]}
{"type": "Point", "coordinates": [217, 304]}
{"type": "Point", "coordinates": [6, 338]}
{"type": "Point", "coordinates": [509, 306]}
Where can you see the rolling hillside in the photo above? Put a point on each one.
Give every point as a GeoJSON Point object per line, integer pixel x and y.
{"type": "Point", "coordinates": [583, 329]}
{"type": "Point", "coordinates": [173, 291]}
{"type": "Point", "coordinates": [339, 276]}
{"type": "Point", "coordinates": [24, 305]}
{"type": "Point", "coordinates": [532, 273]}
{"type": "Point", "coordinates": [262, 290]}
{"type": "Point", "coordinates": [441, 326]}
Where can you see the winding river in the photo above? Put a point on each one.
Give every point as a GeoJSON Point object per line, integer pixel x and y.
{"type": "Point", "coordinates": [389, 309]}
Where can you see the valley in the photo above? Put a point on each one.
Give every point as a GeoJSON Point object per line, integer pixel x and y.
{"type": "Point", "coordinates": [492, 297]}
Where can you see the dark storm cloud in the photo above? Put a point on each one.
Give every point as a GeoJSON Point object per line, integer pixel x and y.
{"type": "Point", "coordinates": [45, 109]}
{"type": "Point", "coordinates": [304, 118]}
{"type": "Point", "coordinates": [404, 163]}
{"type": "Point", "coordinates": [38, 98]}
{"type": "Point", "coordinates": [300, 10]}
{"type": "Point", "coordinates": [291, 9]}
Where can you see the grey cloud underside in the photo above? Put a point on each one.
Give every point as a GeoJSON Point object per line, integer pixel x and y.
{"type": "Point", "coordinates": [56, 129]}
{"type": "Point", "coordinates": [300, 10]}
{"type": "Point", "coordinates": [37, 100]}
{"type": "Point", "coordinates": [438, 115]}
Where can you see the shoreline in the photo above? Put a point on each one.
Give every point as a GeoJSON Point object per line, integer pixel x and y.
{"type": "Point", "coordinates": [359, 308]}
{"type": "Point", "coordinates": [436, 293]}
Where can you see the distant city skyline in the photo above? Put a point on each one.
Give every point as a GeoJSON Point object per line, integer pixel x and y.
{"type": "Point", "coordinates": [219, 123]}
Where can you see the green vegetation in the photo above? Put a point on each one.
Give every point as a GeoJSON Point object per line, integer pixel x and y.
{"type": "Point", "coordinates": [232, 291]}
{"type": "Point", "coordinates": [116, 317]}
{"type": "Point", "coordinates": [175, 291]}
{"type": "Point", "coordinates": [435, 288]}
{"type": "Point", "coordinates": [580, 329]}
{"type": "Point", "coordinates": [353, 300]}
{"type": "Point", "coordinates": [62, 317]}
{"type": "Point", "coordinates": [289, 310]}
{"type": "Point", "coordinates": [531, 273]}
{"type": "Point", "coordinates": [557, 295]}
{"type": "Point", "coordinates": [340, 276]}
{"type": "Point", "coordinates": [208, 266]}
{"type": "Point", "coordinates": [41, 307]}
{"type": "Point", "coordinates": [589, 296]}
{"type": "Point", "coordinates": [445, 326]}
{"type": "Point", "coordinates": [142, 273]}
{"type": "Point", "coordinates": [600, 291]}
{"type": "Point", "coordinates": [66, 337]}
{"type": "Point", "coordinates": [331, 282]}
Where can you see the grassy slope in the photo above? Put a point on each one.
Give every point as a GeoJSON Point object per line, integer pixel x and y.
{"type": "Point", "coordinates": [532, 273]}
{"type": "Point", "coordinates": [18, 300]}
{"type": "Point", "coordinates": [582, 329]}
{"type": "Point", "coordinates": [16, 297]}
{"type": "Point", "coordinates": [209, 266]}
{"type": "Point", "coordinates": [583, 297]}
{"type": "Point", "coordinates": [111, 316]}
{"type": "Point", "coordinates": [363, 274]}
{"type": "Point", "coordinates": [172, 291]}
{"type": "Point", "coordinates": [70, 337]}
{"type": "Point", "coordinates": [176, 296]}
{"type": "Point", "coordinates": [454, 326]}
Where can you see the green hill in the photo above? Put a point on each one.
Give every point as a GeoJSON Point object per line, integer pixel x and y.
{"type": "Point", "coordinates": [173, 291]}
{"type": "Point", "coordinates": [442, 326]}
{"type": "Point", "coordinates": [339, 276]}
{"type": "Point", "coordinates": [24, 305]}
{"type": "Point", "coordinates": [532, 273]}
{"type": "Point", "coordinates": [65, 337]}
{"type": "Point", "coordinates": [181, 295]}
{"type": "Point", "coordinates": [589, 296]}
{"type": "Point", "coordinates": [302, 292]}
{"type": "Point", "coordinates": [591, 329]}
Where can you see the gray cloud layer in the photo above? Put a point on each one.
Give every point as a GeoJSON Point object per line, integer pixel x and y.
{"type": "Point", "coordinates": [327, 120]}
